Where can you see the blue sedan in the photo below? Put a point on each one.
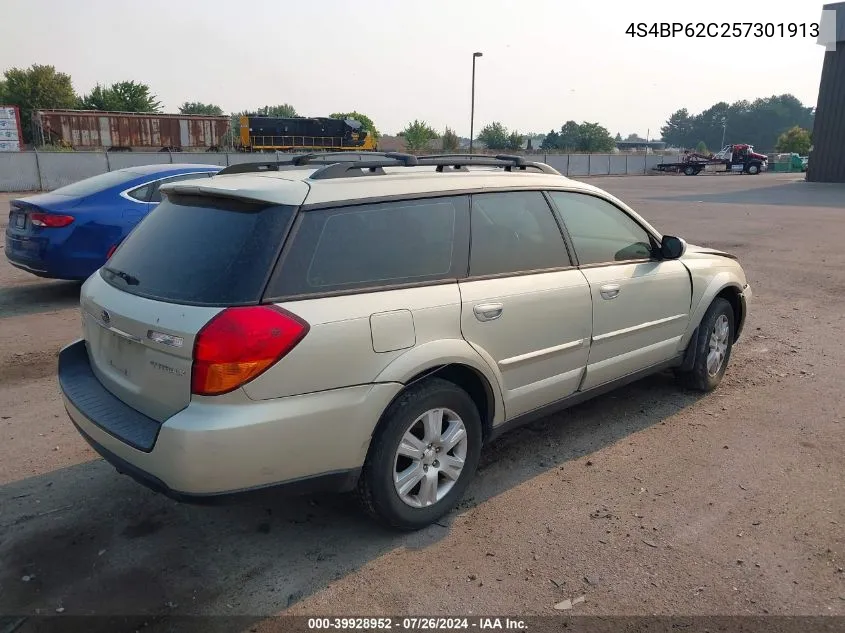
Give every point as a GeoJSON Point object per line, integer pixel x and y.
{"type": "Point", "coordinates": [70, 232]}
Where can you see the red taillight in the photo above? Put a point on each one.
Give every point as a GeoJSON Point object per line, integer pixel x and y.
{"type": "Point", "coordinates": [50, 220]}
{"type": "Point", "coordinates": [239, 344]}
{"type": "Point", "coordinates": [112, 249]}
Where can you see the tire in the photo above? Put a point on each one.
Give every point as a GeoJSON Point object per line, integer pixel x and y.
{"type": "Point", "coordinates": [377, 491]}
{"type": "Point", "coordinates": [753, 169]}
{"type": "Point", "coordinates": [700, 377]}
{"type": "Point", "coordinates": [690, 171]}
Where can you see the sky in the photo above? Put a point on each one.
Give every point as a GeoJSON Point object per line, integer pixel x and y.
{"type": "Point", "coordinates": [544, 61]}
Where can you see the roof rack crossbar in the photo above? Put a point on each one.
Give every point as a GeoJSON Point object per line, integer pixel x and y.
{"type": "Point", "coordinates": [306, 159]}
{"type": "Point", "coordinates": [243, 168]}
{"type": "Point", "coordinates": [358, 168]}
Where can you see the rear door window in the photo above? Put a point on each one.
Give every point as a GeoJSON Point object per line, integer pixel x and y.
{"type": "Point", "coordinates": [375, 246]}
{"type": "Point", "coordinates": [515, 232]}
{"type": "Point", "coordinates": [201, 251]}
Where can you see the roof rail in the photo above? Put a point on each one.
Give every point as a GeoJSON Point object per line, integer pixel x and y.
{"type": "Point", "coordinates": [299, 160]}
{"type": "Point", "coordinates": [507, 161]}
{"type": "Point", "coordinates": [351, 164]}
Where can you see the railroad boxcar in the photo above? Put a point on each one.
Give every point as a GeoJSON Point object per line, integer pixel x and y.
{"type": "Point", "coordinates": [264, 133]}
{"type": "Point", "coordinates": [129, 131]}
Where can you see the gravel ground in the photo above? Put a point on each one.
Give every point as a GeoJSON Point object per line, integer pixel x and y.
{"type": "Point", "coordinates": [650, 500]}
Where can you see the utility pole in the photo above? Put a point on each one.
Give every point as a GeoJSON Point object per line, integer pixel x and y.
{"type": "Point", "coordinates": [472, 106]}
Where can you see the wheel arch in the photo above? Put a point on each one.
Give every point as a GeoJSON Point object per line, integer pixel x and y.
{"type": "Point", "coordinates": [457, 362]}
{"type": "Point", "coordinates": [731, 293]}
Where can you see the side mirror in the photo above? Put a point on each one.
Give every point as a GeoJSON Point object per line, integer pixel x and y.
{"type": "Point", "coordinates": [672, 247]}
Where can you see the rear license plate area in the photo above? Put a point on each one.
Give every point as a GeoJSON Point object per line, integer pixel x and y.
{"type": "Point", "coordinates": [19, 220]}
{"type": "Point", "coordinates": [119, 353]}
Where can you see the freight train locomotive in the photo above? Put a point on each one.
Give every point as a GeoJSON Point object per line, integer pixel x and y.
{"type": "Point", "coordinates": [263, 133]}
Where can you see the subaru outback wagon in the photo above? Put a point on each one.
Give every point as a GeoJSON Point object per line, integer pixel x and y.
{"type": "Point", "coordinates": [370, 324]}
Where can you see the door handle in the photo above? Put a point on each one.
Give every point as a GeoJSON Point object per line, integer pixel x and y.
{"type": "Point", "coordinates": [610, 291]}
{"type": "Point", "coordinates": [488, 311]}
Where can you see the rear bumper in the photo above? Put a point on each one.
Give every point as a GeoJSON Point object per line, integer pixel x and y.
{"type": "Point", "coordinates": [340, 481]}
{"type": "Point", "coordinates": [49, 262]}
{"type": "Point", "coordinates": [213, 450]}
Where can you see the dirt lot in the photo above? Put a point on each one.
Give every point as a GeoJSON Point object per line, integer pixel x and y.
{"type": "Point", "coordinates": [651, 500]}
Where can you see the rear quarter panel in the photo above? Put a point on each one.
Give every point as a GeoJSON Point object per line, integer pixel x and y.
{"type": "Point", "coordinates": [345, 331]}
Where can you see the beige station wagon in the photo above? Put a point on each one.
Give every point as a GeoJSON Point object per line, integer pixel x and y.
{"type": "Point", "coordinates": [369, 323]}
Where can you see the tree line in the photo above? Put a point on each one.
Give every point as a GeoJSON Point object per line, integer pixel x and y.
{"type": "Point", "coordinates": [778, 122]}
{"type": "Point", "coordinates": [760, 123]}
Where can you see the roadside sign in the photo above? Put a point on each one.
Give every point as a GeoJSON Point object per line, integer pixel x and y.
{"type": "Point", "coordinates": [11, 135]}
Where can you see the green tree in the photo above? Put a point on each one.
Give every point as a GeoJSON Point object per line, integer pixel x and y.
{"type": "Point", "coordinates": [515, 140]}
{"type": "Point", "coordinates": [595, 138]}
{"type": "Point", "coordinates": [418, 134]}
{"type": "Point", "coordinates": [365, 121]}
{"type": "Point", "coordinates": [618, 137]}
{"type": "Point", "coordinates": [701, 148]}
{"type": "Point", "coordinates": [451, 142]}
{"type": "Point", "coordinates": [100, 98]}
{"type": "Point", "coordinates": [551, 141]}
{"type": "Point", "coordinates": [494, 136]}
{"type": "Point", "coordinates": [795, 139]}
{"type": "Point", "coordinates": [759, 123]}
{"type": "Point", "coordinates": [123, 96]}
{"type": "Point", "coordinates": [282, 111]}
{"type": "Point", "coordinates": [678, 131]}
{"type": "Point", "coordinates": [35, 88]}
{"type": "Point", "coordinates": [570, 137]}
{"type": "Point", "coordinates": [195, 107]}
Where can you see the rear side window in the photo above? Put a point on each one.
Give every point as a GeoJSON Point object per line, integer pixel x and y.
{"type": "Point", "coordinates": [514, 232]}
{"type": "Point", "coordinates": [375, 245]}
{"type": "Point", "coordinates": [141, 194]}
{"type": "Point", "coordinates": [201, 251]}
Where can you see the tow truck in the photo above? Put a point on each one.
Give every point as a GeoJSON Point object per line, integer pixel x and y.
{"type": "Point", "coordinates": [739, 157]}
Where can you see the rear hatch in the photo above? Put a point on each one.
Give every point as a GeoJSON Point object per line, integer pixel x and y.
{"type": "Point", "coordinates": [192, 256]}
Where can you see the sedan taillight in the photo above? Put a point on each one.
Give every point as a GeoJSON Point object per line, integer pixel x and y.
{"type": "Point", "coordinates": [50, 220]}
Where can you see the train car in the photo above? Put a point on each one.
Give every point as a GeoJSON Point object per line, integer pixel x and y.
{"type": "Point", "coordinates": [129, 131]}
{"type": "Point", "coordinates": [263, 133]}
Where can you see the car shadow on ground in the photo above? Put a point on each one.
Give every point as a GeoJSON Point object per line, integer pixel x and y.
{"type": "Point", "coordinates": [33, 298]}
{"type": "Point", "coordinates": [793, 194]}
{"type": "Point", "coordinates": [88, 541]}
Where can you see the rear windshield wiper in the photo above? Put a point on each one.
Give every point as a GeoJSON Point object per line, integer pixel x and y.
{"type": "Point", "coordinates": [129, 279]}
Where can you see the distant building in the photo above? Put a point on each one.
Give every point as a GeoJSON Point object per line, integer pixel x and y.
{"type": "Point", "coordinates": [827, 159]}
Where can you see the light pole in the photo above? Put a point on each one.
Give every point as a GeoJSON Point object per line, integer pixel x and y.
{"type": "Point", "coordinates": [724, 127]}
{"type": "Point", "coordinates": [472, 106]}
